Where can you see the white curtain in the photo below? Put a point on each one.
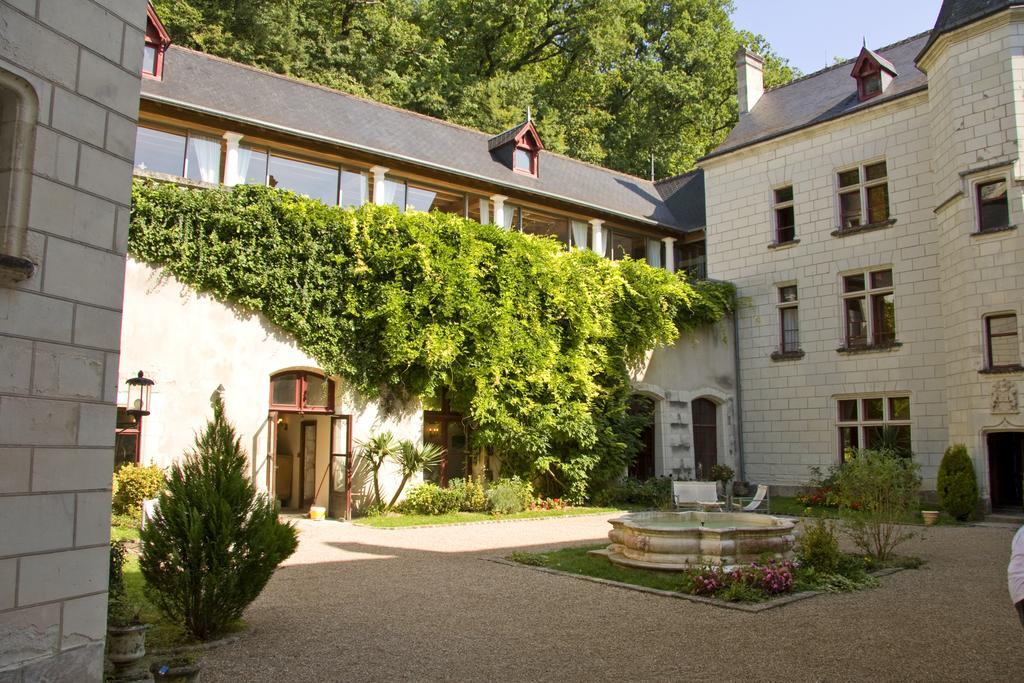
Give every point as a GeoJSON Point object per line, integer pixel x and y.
{"type": "Point", "coordinates": [244, 161]}
{"type": "Point", "coordinates": [654, 253]}
{"type": "Point", "coordinates": [204, 159]}
{"type": "Point", "coordinates": [506, 220]}
{"type": "Point", "coordinates": [579, 234]}
{"type": "Point", "coordinates": [390, 192]}
{"type": "Point", "coordinates": [485, 216]}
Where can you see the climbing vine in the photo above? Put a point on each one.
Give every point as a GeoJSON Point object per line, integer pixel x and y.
{"type": "Point", "coordinates": [534, 344]}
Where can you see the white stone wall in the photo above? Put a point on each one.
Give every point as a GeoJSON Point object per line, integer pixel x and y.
{"type": "Point", "coordinates": [189, 344]}
{"type": "Point", "coordinates": [975, 77]}
{"type": "Point", "coordinates": [789, 407]}
{"type": "Point", "coordinates": [59, 332]}
{"type": "Point", "coordinates": [699, 365]}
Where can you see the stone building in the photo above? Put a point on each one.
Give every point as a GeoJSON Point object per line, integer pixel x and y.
{"type": "Point", "coordinates": [868, 215]}
{"type": "Point", "coordinates": [206, 121]}
{"type": "Point", "coordinates": [69, 92]}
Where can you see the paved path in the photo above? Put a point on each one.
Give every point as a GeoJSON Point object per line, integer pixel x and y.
{"type": "Point", "coordinates": [357, 604]}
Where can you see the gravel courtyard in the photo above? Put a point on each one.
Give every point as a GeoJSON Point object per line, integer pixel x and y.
{"type": "Point", "coordinates": [358, 604]}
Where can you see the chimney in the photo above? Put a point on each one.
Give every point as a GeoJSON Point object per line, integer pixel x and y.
{"type": "Point", "coordinates": [749, 79]}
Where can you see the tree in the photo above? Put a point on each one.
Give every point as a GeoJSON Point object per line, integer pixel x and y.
{"type": "Point", "coordinates": [376, 450]}
{"type": "Point", "coordinates": [214, 541]}
{"type": "Point", "coordinates": [957, 484]}
{"type": "Point", "coordinates": [413, 459]}
{"type": "Point", "coordinates": [609, 81]}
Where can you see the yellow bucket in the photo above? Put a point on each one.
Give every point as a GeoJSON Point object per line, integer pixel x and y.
{"type": "Point", "coordinates": [317, 513]}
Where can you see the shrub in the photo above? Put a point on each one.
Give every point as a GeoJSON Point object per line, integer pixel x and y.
{"type": "Point", "coordinates": [412, 459]}
{"type": "Point", "coordinates": [957, 484]}
{"type": "Point", "coordinates": [655, 492]}
{"type": "Point", "coordinates": [745, 583]}
{"type": "Point", "coordinates": [215, 541]}
{"type": "Point", "coordinates": [721, 473]}
{"type": "Point", "coordinates": [819, 547]}
{"type": "Point", "coordinates": [508, 496]}
{"type": "Point", "coordinates": [877, 491]}
{"type": "Point", "coordinates": [431, 499]}
{"type": "Point", "coordinates": [472, 497]}
{"type": "Point", "coordinates": [134, 484]}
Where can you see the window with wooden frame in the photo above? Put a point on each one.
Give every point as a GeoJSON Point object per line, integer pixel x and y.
{"type": "Point", "coordinates": [789, 320]}
{"type": "Point", "coordinates": [183, 154]}
{"type": "Point", "coordinates": [155, 44]}
{"type": "Point", "coordinates": [1002, 347]}
{"type": "Point", "coordinates": [863, 194]}
{"type": "Point", "coordinates": [873, 422]}
{"type": "Point", "coordinates": [785, 223]}
{"type": "Point", "coordinates": [301, 392]}
{"type": "Point", "coordinates": [869, 309]}
{"type": "Point", "coordinates": [993, 206]}
{"type": "Point", "coordinates": [127, 439]}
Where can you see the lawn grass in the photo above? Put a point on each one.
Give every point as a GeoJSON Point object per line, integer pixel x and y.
{"type": "Point", "coordinates": [788, 505]}
{"type": "Point", "coordinates": [124, 533]}
{"type": "Point", "coordinates": [577, 561]}
{"type": "Point", "coordinates": [399, 520]}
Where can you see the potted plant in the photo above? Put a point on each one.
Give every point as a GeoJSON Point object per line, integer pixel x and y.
{"type": "Point", "coordinates": [930, 516]}
{"type": "Point", "coordinates": [724, 474]}
{"type": "Point", "coordinates": [126, 634]}
{"type": "Point", "coordinates": [182, 668]}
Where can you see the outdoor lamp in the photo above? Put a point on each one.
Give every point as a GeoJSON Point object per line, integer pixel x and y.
{"type": "Point", "coordinates": [139, 390]}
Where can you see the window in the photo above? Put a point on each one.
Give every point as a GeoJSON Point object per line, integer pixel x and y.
{"type": "Point", "coordinates": [993, 208]}
{"type": "Point", "coordinates": [785, 225]}
{"type": "Point", "coordinates": [691, 258]}
{"type": "Point", "coordinates": [580, 234]}
{"type": "Point", "coordinates": [19, 113]}
{"type": "Point", "coordinates": [538, 223]}
{"type": "Point", "coordinates": [156, 42]}
{"type": "Point", "coordinates": [789, 320]}
{"type": "Point", "coordinates": [303, 392]}
{"type": "Point", "coordinates": [522, 160]}
{"type": "Point", "coordinates": [313, 180]}
{"type": "Point", "coordinates": [1001, 341]}
{"type": "Point", "coordinates": [869, 309]}
{"type": "Point", "coordinates": [863, 190]}
{"type": "Point", "coordinates": [184, 155]}
{"type": "Point", "coordinates": [624, 244]}
{"type": "Point", "coordinates": [871, 85]}
{"type": "Point", "coordinates": [874, 422]}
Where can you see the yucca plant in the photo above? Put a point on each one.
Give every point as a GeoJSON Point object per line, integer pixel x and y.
{"type": "Point", "coordinates": [375, 451]}
{"type": "Point", "coordinates": [412, 459]}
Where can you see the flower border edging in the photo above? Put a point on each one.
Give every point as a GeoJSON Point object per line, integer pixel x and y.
{"type": "Point", "coordinates": [752, 608]}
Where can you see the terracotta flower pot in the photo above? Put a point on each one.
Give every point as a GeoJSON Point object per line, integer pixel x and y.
{"type": "Point", "coordinates": [930, 516]}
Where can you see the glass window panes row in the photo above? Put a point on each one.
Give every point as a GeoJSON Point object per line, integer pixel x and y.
{"type": "Point", "coordinates": [785, 218]}
{"type": "Point", "coordinates": [1001, 339]}
{"type": "Point", "coordinates": [873, 422]}
{"type": "Point", "coordinates": [180, 154]}
{"type": "Point", "coordinates": [869, 308]}
{"type": "Point", "coordinates": [329, 184]}
{"type": "Point", "coordinates": [636, 247]}
{"type": "Point", "coordinates": [863, 189]}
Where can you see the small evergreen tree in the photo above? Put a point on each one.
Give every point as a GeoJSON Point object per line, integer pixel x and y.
{"type": "Point", "coordinates": [957, 484]}
{"type": "Point", "coordinates": [215, 541]}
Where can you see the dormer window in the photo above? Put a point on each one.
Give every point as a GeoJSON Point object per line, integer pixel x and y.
{"type": "Point", "coordinates": [873, 73]}
{"type": "Point", "coordinates": [518, 149]}
{"type": "Point", "coordinates": [157, 41]}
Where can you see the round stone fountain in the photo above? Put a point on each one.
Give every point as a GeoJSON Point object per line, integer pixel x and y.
{"type": "Point", "coordinates": [673, 541]}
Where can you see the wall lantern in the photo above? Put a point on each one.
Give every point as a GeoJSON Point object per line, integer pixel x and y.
{"type": "Point", "coordinates": [139, 390]}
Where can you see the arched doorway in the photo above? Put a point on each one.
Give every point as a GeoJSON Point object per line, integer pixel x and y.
{"type": "Point", "coordinates": [705, 437]}
{"type": "Point", "coordinates": [642, 465]}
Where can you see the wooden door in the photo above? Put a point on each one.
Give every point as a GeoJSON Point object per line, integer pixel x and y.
{"type": "Point", "coordinates": [642, 465]}
{"type": "Point", "coordinates": [271, 462]}
{"type": "Point", "coordinates": [705, 437]}
{"type": "Point", "coordinates": [307, 451]}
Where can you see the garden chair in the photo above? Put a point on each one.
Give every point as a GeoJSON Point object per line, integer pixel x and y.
{"type": "Point", "coordinates": [695, 494]}
{"type": "Point", "coordinates": [760, 496]}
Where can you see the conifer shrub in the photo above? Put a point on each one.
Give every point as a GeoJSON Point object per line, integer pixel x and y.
{"type": "Point", "coordinates": [215, 541]}
{"type": "Point", "coordinates": [957, 484]}
{"type": "Point", "coordinates": [134, 484]}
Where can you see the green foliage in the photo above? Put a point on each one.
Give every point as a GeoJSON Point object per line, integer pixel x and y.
{"type": "Point", "coordinates": [819, 547]}
{"type": "Point", "coordinates": [609, 81]}
{"type": "Point", "coordinates": [122, 610]}
{"type": "Point", "coordinates": [957, 483]}
{"type": "Point", "coordinates": [877, 490]}
{"type": "Point", "coordinates": [430, 499]}
{"type": "Point", "coordinates": [134, 484]}
{"type": "Point", "coordinates": [508, 496]}
{"type": "Point", "coordinates": [375, 451]}
{"type": "Point", "coordinates": [472, 497]}
{"type": "Point", "coordinates": [214, 542]}
{"type": "Point", "coordinates": [529, 559]}
{"type": "Point", "coordinates": [413, 459]}
{"type": "Point", "coordinates": [534, 344]}
{"type": "Point", "coordinates": [720, 472]}
{"type": "Point", "coordinates": [654, 493]}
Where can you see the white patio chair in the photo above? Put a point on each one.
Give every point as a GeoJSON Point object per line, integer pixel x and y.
{"type": "Point", "coordinates": [760, 496]}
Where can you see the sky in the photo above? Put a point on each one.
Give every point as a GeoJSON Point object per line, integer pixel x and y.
{"type": "Point", "coordinates": [810, 33]}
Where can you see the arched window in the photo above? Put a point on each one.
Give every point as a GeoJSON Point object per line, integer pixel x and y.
{"type": "Point", "coordinates": [19, 111]}
{"type": "Point", "coordinates": [301, 391]}
{"type": "Point", "coordinates": [705, 437]}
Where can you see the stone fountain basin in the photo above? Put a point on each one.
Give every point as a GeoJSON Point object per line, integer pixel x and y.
{"type": "Point", "coordinates": [674, 541]}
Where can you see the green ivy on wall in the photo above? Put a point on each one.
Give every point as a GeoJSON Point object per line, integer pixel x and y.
{"type": "Point", "coordinates": [534, 343]}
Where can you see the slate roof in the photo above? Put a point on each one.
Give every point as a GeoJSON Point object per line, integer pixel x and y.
{"type": "Point", "coordinates": [502, 139]}
{"type": "Point", "coordinates": [823, 96]}
{"type": "Point", "coordinates": [684, 196]}
{"type": "Point", "coordinates": [955, 14]}
{"type": "Point", "coordinates": [216, 86]}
